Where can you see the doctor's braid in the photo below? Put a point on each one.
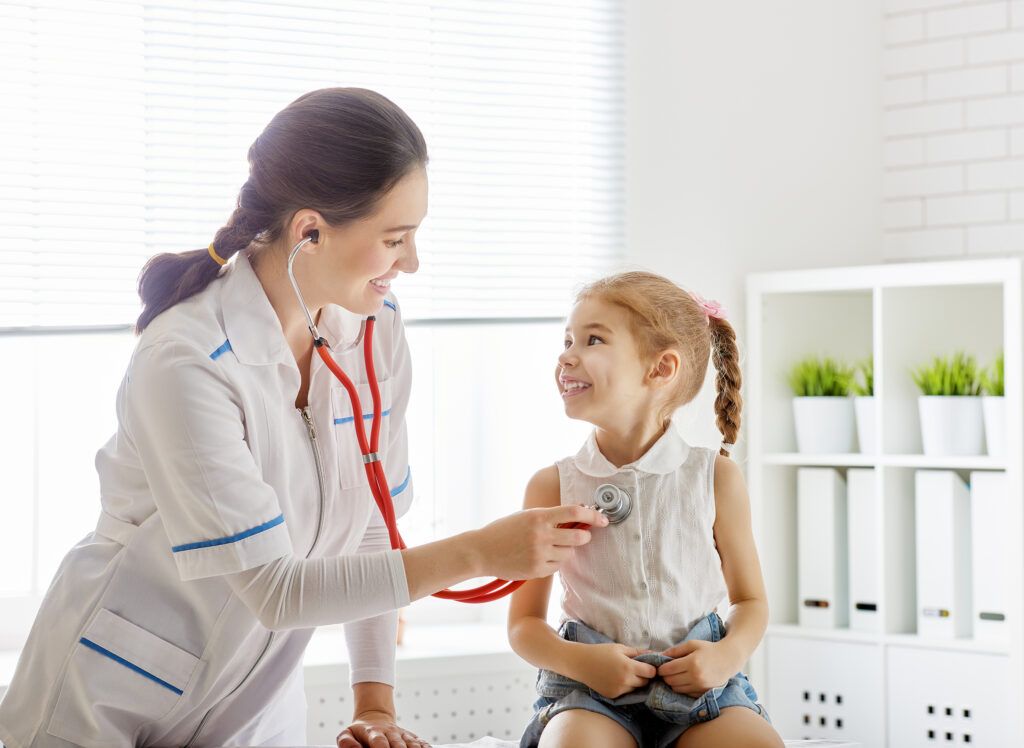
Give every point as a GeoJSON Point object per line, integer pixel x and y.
{"type": "Point", "coordinates": [728, 402]}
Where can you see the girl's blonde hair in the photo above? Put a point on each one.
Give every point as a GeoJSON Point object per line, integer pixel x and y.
{"type": "Point", "coordinates": [663, 316]}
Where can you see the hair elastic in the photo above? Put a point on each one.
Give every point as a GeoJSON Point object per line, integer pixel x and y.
{"type": "Point", "coordinates": [216, 257]}
{"type": "Point", "coordinates": [727, 448]}
{"type": "Point", "coordinates": [711, 309]}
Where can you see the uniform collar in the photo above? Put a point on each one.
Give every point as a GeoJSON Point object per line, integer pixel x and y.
{"type": "Point", "coordinates": [250, 322]}
{"type": "Point", "coordinates": [252, 325]}
{"type": "Point", "coordinates": [664, 456]}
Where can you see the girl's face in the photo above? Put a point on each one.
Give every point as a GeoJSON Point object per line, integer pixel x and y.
{"type": "Point", "coordinates": [360, 259]}
{"type": "Point", "coordinates": [601, 375]}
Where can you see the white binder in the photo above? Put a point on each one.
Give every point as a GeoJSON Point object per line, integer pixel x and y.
{"type": "Point", "coordinates": [943, 535]}
{"type": "Point", "coordinates": [823, 581]}
{"type": "Point", "coordinates": [990, 539]}
{"type": "Point", "coordinates": [864, 541]}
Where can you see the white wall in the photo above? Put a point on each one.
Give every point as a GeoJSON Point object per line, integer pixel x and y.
{"type": "Point", "coordinates": [953, 124]}
{"type": "Point", "coordinates": [753, 143]}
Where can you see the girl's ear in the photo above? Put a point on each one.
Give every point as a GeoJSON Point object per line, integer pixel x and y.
{"type": "Point", "coordinates": [665, 368]}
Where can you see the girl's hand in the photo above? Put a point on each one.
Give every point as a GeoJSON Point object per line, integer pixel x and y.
{"type": "Point", "coordinates": [530, 543]}
{"type": "Point", "coordinates": [377, 729]}
{"type": "Point", "coordinates": [697, 666]}
{"type": "Point", "coordinates": [611, 670]}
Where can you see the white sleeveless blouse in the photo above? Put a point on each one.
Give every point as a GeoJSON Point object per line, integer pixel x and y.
{"type": "Point", "coordinates": [647, 580]}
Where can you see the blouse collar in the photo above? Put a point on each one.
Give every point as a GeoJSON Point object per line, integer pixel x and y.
{"type": "Point", "coordinates": [665, 456]}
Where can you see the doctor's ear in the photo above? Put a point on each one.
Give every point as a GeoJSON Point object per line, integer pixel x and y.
{"type": "Point", "coordinates": [305, 224]}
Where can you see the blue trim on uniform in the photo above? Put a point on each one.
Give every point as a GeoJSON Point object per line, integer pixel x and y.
{"type": "Point", "coordinates": [232, 538]}
{"type": "Point", "coordinates": [409, 474]}
{"type": "Point", "coordinates": [396, 491]}
{"type": "Point", "coordinates": [366, 417]}
{"type": "Point", "coordinates": [388, 303]}
{"type": "Point", "coordinates": [129, 665]}
{"type": "Point", "coordinates": [223, 349]}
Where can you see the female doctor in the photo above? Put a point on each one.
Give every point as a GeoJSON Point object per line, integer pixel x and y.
{"type": "Point", "coordinates": [235, 509]}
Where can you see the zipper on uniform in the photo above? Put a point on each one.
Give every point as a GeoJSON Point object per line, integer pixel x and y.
{"type": "Point", "coordinates": [319, 475]}
{"type": "Point", "coordinates": [308, 419]}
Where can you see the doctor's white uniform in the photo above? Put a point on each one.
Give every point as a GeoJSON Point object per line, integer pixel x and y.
{"type": "Point", "coordinates": [212, 471]}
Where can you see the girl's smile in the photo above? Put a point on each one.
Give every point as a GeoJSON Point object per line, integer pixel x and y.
{"type": "Point", "coordinates": [572, 387]}
{"type": "Point", "coordinates": [600, 374]}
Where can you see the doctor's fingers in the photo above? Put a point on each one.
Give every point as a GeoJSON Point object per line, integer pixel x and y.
{"type": "Point", "coordinates": [572, 514]}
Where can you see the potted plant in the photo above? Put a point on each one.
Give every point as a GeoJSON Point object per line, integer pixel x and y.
{"type": "Point", "coordinates": [993, 408]}
{"type": "Point", "coordinates": [822, 408]}
{"type": "Point", "coordinates": [950, 406]}
{"type": "Point", "coordinates": [863, 387]}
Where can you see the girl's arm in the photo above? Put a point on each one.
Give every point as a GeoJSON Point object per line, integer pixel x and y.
{"type": "Point", "coordinates": [734, 536]}
{"type": "Point", "coordinates": [528, 631]}
{"type": "Point", "coordinates": [702, 665]}
{"type": "Point", "coordinates": [607, 668]}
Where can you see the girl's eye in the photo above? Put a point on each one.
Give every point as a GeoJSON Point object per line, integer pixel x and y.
{"type": "Point", "coordinates": [391, 244]}
{"type": "Point", "coordinates": [567, 343]}
{"type": "Point", "coordinates": [592, 339]}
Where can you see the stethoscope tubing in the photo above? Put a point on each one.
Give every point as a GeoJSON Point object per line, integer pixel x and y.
{"type": "Point", "coordinates": [375, 477]}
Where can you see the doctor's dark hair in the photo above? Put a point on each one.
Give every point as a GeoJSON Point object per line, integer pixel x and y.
{"type": "Point", "coordinates": [663, 316]}
{"type": "Point", "coordinates": [337, 151]}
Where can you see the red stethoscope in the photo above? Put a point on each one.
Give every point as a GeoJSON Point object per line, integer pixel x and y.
{"type": "Point", "coordinates": [609, 499]}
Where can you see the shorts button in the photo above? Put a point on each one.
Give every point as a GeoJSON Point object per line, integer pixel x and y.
{"type": "Point", "coordinates": [702, 713]}
{"type": "Point", "coordinates": [643, 585]}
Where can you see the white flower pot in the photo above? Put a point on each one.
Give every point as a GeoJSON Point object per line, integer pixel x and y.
{"type": "Point", "coordinates": [824, 425]}
{"type": "Point", "coordinates": [864, 410]}
{"type": "Point", "coordinates": [994, 409]}
{"type": "Point", "coordinates": [951, 426]}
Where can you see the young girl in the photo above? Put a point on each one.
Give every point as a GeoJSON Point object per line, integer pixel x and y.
{"type": "Point", "coordinates": [641, 657]}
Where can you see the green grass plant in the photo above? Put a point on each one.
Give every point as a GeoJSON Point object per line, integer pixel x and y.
{"type": "Point", "coordinates": [957, 375]}
{"type": "Point", "coordinates": [992, 378]}
{"type": "Point", "coordinates": [864, 384]}
{"type": "Point", "coordinates": [821, 377]}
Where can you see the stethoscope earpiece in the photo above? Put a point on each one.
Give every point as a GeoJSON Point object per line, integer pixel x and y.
{"type": "Point", "coordinates": [613, 502]}
{"type": "Point", "coordinates": [314, 235]}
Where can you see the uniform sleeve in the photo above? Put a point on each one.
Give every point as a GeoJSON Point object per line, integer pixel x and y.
{"type": "Point", "coordinates": [399, 472]}
{"type": "Point", "coordinates": [371, 641]}
{"type": "Point", "coordinates": [291, 592]}
{"type": "Point", "coordinates": [188, 426]}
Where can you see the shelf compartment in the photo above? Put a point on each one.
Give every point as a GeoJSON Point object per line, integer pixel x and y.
{"type": "Point", "coordinates": [795, 326]}
{"type": "Point", "coordinates": [826, 689]}
{"type": "Point", "coordinates": [920, 324]}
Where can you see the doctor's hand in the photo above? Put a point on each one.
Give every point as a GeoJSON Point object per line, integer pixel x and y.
{"type": "Point", "coordinates": [611, 670]}
{"type": "Point", "coordinates": [530, 543]}
{"type": "Point", "coordinates": [697, 666]}
{"type": "Point", "coordinates": [377, 729]}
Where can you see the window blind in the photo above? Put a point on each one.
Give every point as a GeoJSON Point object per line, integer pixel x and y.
{"type": "Point", "coordinates": [126, 124]}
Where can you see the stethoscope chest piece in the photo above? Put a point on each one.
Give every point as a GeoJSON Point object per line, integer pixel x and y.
{"type": "Point", "coordinates": [614, 502]}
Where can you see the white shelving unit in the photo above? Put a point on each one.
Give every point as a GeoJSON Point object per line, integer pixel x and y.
{"type": "Point", "coordinates": [892, 688]}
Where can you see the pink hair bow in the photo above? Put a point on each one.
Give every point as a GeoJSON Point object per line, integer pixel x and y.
{"type": "Point", "coordinates": [711, 309]}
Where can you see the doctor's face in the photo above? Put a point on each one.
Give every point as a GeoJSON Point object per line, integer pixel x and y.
{"type": "Point", "coordinates": [362, 257]}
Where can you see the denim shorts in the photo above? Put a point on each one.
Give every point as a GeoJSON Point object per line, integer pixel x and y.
{"type": "Point", "coordinates": [654, 714]}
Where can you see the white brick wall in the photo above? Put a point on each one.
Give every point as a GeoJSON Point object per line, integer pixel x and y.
{"type": "Point", "coordinates": [953, 128]}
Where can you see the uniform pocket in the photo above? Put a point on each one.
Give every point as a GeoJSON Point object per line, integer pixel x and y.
{"type": "Point", "coordinates": [351, 470]}
{"type": "Point", "coordinates": [120, 677]}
